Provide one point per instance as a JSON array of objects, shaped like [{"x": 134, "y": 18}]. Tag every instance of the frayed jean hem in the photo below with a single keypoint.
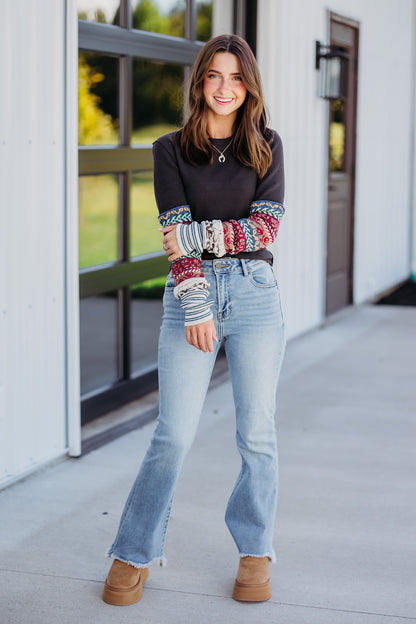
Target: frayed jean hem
[
  {"x": 270, "y": 555},
  {"x": 161, "y": 560}
]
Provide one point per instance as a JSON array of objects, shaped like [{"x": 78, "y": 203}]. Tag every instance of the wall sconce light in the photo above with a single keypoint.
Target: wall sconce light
[{"x": 332, "y": 63}]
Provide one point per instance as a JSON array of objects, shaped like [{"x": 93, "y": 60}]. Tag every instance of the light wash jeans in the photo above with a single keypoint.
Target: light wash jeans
[{"x": 248, "y": 318}]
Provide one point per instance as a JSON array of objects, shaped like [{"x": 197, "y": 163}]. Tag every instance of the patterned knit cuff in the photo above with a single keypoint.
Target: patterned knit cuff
[
  {"x": 193, "y": 294},
  {"x": 186, "y": 268},
  {"x": 274, "y": 209},
  {"x": 179, "y": 214},
  {"x": 189, "y": 285},
  {"x": 190, "y": 238},
  {"x": 214, "y": 237}
]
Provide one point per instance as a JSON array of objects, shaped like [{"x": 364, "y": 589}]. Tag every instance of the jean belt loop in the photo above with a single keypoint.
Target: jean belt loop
[{"x": 244, "y": 267}]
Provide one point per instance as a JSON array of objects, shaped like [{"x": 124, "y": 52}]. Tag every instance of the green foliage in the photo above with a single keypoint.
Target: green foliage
[
  {"x": 204, "y": 21},
  {"x": 150, "y": 289},
  {"x": 147, "y": 17},
  {"x": 157, "y": 93},
  {"x": 94, "y": 126},
  {"x": 336, "y": 146}
]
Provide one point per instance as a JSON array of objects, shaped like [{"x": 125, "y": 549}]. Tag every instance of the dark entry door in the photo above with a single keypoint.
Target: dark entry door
[{"x": 341, "y": 174}]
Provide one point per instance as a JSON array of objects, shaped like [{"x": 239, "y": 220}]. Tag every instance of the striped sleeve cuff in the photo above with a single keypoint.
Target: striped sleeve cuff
[
  {"x": 190, "y": 238},
  {"x": 193, "y": 296}
]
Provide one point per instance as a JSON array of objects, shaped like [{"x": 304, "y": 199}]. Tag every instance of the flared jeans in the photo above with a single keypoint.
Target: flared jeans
[{"x": 249, "y": 323}]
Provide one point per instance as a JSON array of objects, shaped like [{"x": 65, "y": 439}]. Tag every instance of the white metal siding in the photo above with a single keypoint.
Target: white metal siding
[
  {"x": 412, "y": 192},
  {"x": 287, "y": 31},
  {"x": 32, "y": 108}
]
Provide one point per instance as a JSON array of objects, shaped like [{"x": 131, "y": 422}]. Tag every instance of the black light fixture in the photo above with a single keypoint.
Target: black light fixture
[{"x": 332, "y": 63}]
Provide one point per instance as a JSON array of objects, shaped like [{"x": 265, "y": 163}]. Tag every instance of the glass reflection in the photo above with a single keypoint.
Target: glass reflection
[
  {"x": 162, "y": 16},
  {"x": 97, "y": 100},
  {"x": 337, "y": 136},
  {"x": 146, "y": 318},
  {"x": 157, "y": 100},
  {"x": 144, "y": 233},
  {"x": 98, "y": 219},
  {"x": 203, "y": 20},
  {"x": 98, "y": 341},
  {"x": 103, "y": 11}
]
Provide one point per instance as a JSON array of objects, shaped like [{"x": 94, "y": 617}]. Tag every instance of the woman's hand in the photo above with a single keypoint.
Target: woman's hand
[
  {"x": 201, "y": 336},
  {"x": 170, "y": 244}
]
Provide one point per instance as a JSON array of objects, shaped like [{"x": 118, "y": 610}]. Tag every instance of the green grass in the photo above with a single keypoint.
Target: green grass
[
  {"x": 98, "y": 205},
  {"x": 148, "y": 134},
  {"x": 98, "y": 229},
  {"x": 150, "y": 289},
  {"x": 144, "y": 225}
]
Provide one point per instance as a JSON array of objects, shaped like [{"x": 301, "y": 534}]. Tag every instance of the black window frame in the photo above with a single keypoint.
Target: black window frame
[{"x": 126, "y": 43}]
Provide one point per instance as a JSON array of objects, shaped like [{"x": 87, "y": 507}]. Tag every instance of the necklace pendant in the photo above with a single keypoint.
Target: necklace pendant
[{"x": 221, "y": 158}]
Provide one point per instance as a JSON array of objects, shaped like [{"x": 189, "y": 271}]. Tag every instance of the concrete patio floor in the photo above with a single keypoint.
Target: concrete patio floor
[{"x": 346, "y": 524}]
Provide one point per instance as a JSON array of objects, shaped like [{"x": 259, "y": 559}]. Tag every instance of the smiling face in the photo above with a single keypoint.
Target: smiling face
[{"x": 224, "y": 90}]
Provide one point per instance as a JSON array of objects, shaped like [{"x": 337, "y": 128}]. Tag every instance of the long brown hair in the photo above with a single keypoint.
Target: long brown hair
[{"x": 251, "y": 142}]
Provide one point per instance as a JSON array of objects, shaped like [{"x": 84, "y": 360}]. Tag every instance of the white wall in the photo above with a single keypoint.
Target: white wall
[
  {"x": 413, "y": 181},
  {"x": 287, "y": 31},
  {"x": 32, "y": 235},
  {"x": 222, "y": 17},
  {"x": 383, "y": 150}
]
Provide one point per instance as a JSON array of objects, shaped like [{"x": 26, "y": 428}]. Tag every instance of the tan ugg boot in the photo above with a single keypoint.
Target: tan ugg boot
[
  {"x": 124, "y": 584},
  {"x": 253, "y": 581}
]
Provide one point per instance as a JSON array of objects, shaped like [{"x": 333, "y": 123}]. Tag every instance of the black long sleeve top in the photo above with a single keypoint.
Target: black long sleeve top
[{"x": 215, "y": 190}]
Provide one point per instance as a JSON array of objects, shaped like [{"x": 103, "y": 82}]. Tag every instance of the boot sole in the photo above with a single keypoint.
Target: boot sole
[
  {"x": 124, "y": 597},
  {"x": 252, "y": 593}
]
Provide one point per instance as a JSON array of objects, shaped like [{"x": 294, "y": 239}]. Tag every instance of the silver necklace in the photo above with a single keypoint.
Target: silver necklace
[{"x": 221, "y": 157}]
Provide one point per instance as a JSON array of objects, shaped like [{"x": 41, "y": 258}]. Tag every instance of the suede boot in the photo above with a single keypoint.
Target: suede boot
[
  {"x": 124, "y": 584},
  {"x": 253, "y": 581}
]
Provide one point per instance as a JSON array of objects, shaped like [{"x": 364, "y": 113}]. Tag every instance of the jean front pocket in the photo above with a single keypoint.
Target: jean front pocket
[{"x": 261, "y": 274}]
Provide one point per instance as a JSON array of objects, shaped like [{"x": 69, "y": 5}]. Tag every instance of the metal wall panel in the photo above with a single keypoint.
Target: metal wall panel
[
  {"x": 285, "y": 38},
  {"x": 287, "y": 31},
  {"x": 33, "y": 375}
]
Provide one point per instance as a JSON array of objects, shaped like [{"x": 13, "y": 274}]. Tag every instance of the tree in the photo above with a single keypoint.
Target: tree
[
  {"x": 146, "y": 16},
  {"x": 204, "y": 21},
  {"x": 94, "y": 126}
]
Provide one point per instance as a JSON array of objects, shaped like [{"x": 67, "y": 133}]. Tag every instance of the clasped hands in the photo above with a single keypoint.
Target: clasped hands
[
  {"x": 202, "y": 335},
  {"x": 170, "y": 243}
]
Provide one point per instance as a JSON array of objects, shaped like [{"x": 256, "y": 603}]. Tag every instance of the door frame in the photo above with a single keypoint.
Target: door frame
[{"x": 332, "y": 16}]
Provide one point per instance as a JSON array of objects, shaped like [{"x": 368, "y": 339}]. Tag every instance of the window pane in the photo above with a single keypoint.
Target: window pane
[
  {"x": 98, "y": 341},
  {"x": 104, "y": 11},
  {"x": 161, "y": 16},
  {"x": 97, "y": 99},
  {"x": 98, "y": 219},
  {"x": 203, "y": 20},
  {"x": 157, "y": 100},
  {"x": 337, "y": 136},
  {"x": 144, "y": 233},
  {"x": 146, "y": 318}
]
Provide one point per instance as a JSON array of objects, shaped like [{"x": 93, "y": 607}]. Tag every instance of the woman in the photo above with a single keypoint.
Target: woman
[{"x": 219, "y": 189}]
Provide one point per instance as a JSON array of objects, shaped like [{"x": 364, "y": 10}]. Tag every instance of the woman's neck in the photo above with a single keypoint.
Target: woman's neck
[{"x": 220, "y": 129}]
